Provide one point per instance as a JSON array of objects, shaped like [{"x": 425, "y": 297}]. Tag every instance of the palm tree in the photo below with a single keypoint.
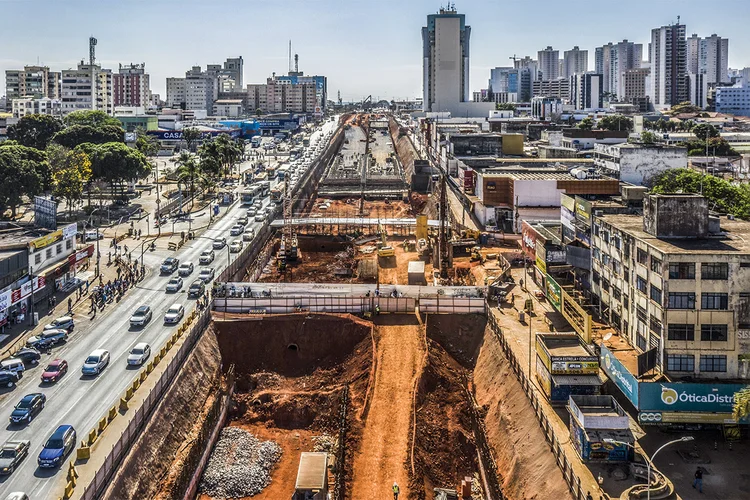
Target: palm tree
[
  {"x": 188, "y": 172},
  {"x": 190, "y": 135}
]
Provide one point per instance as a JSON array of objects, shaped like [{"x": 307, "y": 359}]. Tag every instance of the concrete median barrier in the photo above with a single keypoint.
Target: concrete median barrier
[
  {"x": 112, "y": 413},
  {"x": 93, "y": 434},
  {"x": 103, "y": 424},
  {"x": 123, "y": 404},
  {"x": 84, "y": 452}
]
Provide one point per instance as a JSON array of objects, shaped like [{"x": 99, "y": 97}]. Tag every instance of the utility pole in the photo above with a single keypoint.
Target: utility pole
[{"x": 443, "y": 236}]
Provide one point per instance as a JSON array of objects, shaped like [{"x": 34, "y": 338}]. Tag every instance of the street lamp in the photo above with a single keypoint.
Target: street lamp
[{"x": 653, "y": 457}]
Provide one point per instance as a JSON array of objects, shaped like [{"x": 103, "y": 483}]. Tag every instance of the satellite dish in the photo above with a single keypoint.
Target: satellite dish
[{"x": 607, "y": 336}]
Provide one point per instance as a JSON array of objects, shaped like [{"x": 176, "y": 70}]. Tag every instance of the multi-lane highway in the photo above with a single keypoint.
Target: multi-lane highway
[{"x": 81, "y": 401}]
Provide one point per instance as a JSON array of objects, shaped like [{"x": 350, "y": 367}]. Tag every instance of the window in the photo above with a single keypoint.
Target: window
[
  {"x": 68, "y": 243},
  {"x": 718, "y": 301},
  {"x": 680, "y": 332},
  {"x": 655, "y": 265},
  {"x": 616, "y": 241},
  {"x": 38, "y": 258},
  {"x": 641, "y": 256},
  {"x": 744, "y": 264},
  {"x": 605, "y": 284},
  {"x": 617, "y": 267},
  {"x": 681, "y": 300},
  {"x": 654, "y": 324},
  {"x": 713, "y": 363},
  {"x": 655, "y": 294},
  {"x": 641, "y": 314},
  {"x": 58, "y": 248},
  {"x": 48, "y": 253},
  {"x": 714, "y": 333},
  {"x": 625, "y": 302},
  {"x": 714, "y": 271},
  {"x": 616, "y": 294},
  {"x": 596, "y": 254},
  {"x": 682, "y": 271},
  {"x": 680, "y": 362},
  {"x": 640, "y": 284},
  {"x": 595, "y": 277}
]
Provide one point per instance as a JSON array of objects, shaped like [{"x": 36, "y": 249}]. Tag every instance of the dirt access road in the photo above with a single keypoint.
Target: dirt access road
[{"x": 381, "y": 457}]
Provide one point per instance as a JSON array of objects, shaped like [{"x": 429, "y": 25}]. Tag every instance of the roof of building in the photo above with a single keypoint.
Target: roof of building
[
  {"x": 228, "y": 101},
  {"x": 312, "y": 472},
  {"x": 732, "y": 240}
]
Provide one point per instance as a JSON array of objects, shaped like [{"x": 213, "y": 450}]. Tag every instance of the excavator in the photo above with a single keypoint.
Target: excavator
[{"x": 385, "y": 249}]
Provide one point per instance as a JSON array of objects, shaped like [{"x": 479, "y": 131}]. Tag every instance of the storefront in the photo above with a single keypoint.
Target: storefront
[
  {"x": 599, "y": 429},
  {"x": 564, "y": 367},
  {"x": 16, "y": 303}
]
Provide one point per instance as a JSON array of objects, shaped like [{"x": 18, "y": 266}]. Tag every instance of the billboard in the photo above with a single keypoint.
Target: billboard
[
  {"x": 528, "y": 240},
  {"x": 280, "y": 124},
  {"x": 583, "y": 210},
  {"x": 687, "y": 397},
  {"x": 176, "y": 135},
  {"x": 45, "y": 212},
  {"x": 553, "y": 292},
  {"x": 46, "y": 240},
  {"x": 616, "y": 371}
]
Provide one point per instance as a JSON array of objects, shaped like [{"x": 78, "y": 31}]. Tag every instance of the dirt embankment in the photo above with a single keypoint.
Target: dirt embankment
[
  {"x": 290, "y": 385},
  {"x": 384, "y": 449},
  {"x": 149, "y": 469},
  {"x": 527, "y": 467}
]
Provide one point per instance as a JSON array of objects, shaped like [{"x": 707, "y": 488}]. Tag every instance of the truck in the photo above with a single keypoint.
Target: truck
[{"x": 256, "y": 141}]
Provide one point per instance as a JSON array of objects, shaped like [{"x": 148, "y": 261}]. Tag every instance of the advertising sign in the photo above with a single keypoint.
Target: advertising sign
[
  {"x": 69, "y": 231},
  {"x": 45, "y": 212},
  {"x": 176, "y": 135},
  {"x": 743, "y": 340},
  {"x": 575, "y": 367},
  {"x": 528, "y": 240},
  {"x": 684, "y": 417},
  {"x": 583, "y": 210},
  {"x": 5, "y": 300},
  {"x": 687, "y": 397},
  {"x": 553, "y": 292},
  {"x": 567, "y": 218},
  {"x": 541, "y": 258},
  {"x": 46, "y": 240},
  {"x": 617, "y": 372}
]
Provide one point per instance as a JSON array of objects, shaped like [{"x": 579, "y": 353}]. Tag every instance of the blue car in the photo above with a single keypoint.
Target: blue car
[{"x": 57, "y": 447}]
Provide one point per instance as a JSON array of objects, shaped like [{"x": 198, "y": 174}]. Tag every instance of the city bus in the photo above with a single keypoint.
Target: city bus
[
  {"x": 282, "y": 172},
  {"x": 265, "y": 188},
  {"x": 249, "y": 195},
  {"x": 270, "y": 172},
  {"x": 256, "y": 141}
]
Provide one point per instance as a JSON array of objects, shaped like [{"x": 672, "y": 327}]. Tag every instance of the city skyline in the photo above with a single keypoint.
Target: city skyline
[{"x": 390, "y": 68}]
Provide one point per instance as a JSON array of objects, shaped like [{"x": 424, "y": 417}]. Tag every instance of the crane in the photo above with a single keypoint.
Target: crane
[{"x": 515, "y": 58}]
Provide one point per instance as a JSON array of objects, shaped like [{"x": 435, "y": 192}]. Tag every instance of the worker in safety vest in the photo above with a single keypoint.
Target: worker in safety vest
[{"x": 395, "y": 491}]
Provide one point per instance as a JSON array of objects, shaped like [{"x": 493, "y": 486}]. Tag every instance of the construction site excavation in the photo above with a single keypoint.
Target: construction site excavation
[{"x": 354, "y": 350}]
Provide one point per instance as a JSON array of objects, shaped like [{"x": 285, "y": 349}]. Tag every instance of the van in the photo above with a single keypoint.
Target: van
[{"x": 12, "y": 365}]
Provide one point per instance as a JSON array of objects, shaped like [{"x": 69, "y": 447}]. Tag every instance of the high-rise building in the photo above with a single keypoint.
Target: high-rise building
[
  {"x": 697, "y": 87},
  {"x": 504, "y": 79},
  {"x": 733, "y": 100},
  {"x": 131, "y": 86},
  {"x": 558, "y": 88},
  {"x": 445, "y": 60},
  {"x": 88, "y": 87},
  {"x": 668, "y": 82},
  {"x": 575, "y": 61},
  {"x": 31, "y": 81},
  {"x": 549, "y": 63},
  {"x": 635, "y": 83},
  {"x": 586, "y": 90},
  {"x": 36, "y": 106},
  {"x": 613, "y": 60},
  {"x": 234, "y": 68},
  {"x": 709, "y": 56}
]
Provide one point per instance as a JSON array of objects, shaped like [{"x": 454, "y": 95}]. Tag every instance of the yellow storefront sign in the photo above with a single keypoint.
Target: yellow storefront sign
[{"x": 46, "y": 240}]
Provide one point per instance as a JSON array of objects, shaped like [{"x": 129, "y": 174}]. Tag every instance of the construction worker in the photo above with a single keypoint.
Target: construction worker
[{"x": 395, "y": 491}]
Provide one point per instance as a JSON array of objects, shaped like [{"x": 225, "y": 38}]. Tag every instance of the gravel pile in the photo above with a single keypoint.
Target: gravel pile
[{"x": 240, "y": 465}]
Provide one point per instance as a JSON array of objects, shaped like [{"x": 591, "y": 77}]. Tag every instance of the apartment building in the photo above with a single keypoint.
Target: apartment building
[
  {"x": 668, "y": 56},
  {"x": 88, "y": 87},
  {"x": 31, "y": 81},
  {"x": 677, "y": 280},
  {"x": 559, "y": 88},
  {"x": 36, "y": 106},
  {"x": 733, "y": 100},
  {"x": 575, "y": 62},
  {"x": 549, "y": 63},
  {"x": 131, "y": 86},
  {"x": 637, "y": 163}
]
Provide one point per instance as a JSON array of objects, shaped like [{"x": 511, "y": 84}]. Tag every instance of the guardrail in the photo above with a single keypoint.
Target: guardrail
[
  {"x": 571, "y": 479},
  {"x": 142, "y": 415}
]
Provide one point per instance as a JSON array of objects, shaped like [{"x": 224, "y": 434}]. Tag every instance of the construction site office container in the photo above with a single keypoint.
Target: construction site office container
[{"x": 312, "y": 477}]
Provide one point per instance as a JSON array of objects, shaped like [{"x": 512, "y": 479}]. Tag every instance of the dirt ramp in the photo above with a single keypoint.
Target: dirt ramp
[{"x": 290, "y": 345}]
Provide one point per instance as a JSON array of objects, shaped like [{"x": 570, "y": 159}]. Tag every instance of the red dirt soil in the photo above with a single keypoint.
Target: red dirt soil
[{"x": 386, "y": 438}]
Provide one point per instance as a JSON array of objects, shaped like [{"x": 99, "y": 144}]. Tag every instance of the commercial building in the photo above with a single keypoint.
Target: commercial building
[
  {"x": 303, "y": 83},
  {"x": 733, "y": 100},
  {"x": 708, "y": 56},
  {"x": 637, "y": 163},
  {"x": 88, "y": 87},
  {"x": 31, "y": 81},
  {"x": 445, "y": 56},
  {"x": 575, "y": 61},
  {"x": 504, "y": 79},
  {"x": 546, "y": 108},
  {"x": 549, "y": 63},
  {"x": 231, "y": 108},
  {"x": 131, "y": 86},
  {"x": 36, "y": 106},
  {"x": 676, "y": 281},
  {"x": 559, "y": 88},
  {"x": 614, "y": 59},
  {"x": 234, "y": 68},
  {"x": 697, "y": 88},
  {"x": 668, "y": 56},
  {"x": 586, "y": 90},
  {"x": 199, "y": 89},
  {"x": 635, "y": 84}
]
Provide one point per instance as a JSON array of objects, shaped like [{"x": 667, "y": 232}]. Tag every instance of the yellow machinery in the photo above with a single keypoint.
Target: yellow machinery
[
  {"x": 385, "y": 249},
  {"x": 476, "y": 254}
]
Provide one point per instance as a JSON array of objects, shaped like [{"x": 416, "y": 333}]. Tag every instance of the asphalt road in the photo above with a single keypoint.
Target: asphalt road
[{"x": 81, "y": 401}]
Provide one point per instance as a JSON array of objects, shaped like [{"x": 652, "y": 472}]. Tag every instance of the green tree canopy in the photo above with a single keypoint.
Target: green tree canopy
[
  {"x": 741, "y": 407},
  {"x": 721, "y": 194},
  {"x": 36, "y": 157},
  {"x": 704, "y": 131},
  {"x": 146, "y": 144},
  {"x": 91, "y": 118},
  {"x": 35, "y": 131},
  {"x": 190, "y": 135},
  {"x": 648, "y": 137},
  {"x": 115, "y": 162},
  {"x": 80, "y": 134},
  {"x": 684, "y": 107},
  {"x": 188, "y": 172},
  {"x": 71, "y": 172},
  {"x": 616, "y": 122},
  {"x": 19, "y": 176},
  {"x": 586, "y": 124},
  {"x": 505, "y": 106}
]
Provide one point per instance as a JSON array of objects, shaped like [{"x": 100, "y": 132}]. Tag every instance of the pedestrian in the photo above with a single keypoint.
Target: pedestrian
[
  {"x": 698, "y": 482},
  {"x": 70, "y": 305},
  {"x": 588, "y": 496},
  {"x": 396, "y": 491}
]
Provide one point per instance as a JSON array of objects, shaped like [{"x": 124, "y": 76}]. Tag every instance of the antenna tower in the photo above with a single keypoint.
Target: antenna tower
[{"x": 92, "y": 51}]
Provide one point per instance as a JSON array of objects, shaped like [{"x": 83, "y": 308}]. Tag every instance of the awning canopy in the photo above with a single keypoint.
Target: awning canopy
[{"x": 577, "y": 380}]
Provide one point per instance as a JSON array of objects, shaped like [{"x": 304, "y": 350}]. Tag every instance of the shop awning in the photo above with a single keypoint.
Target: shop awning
[{"x": 577, "y": 380}]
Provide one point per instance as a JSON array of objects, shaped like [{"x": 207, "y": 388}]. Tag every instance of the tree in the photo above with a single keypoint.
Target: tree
[
  {"x": 190, "y": 136},
  {"x": 35, "y": 131},
  {"x": 704, "y": 131},
  {"x": 36, "y": 157},
  {"x": 91, "y": 118},
  {"x": 648, "y": 137},
  {"x": 586, "y": 124},
  {"x": 721, "y": 194},
  {"x": 19, "y": 177},
  {"x": 115, "y": 163},
  {"x": 220, "y": 154},
  {"x": 684, "y": 107},
  {"x": 71, "y": 175},
  {"x": 146, "y": 144},
  {"x": 80, "y": 134},
  {"x": 505, "y": 106},
  {"x": 258, "y": 112},
  {"x": 616, "y": 122},
  {"x": 741, "y": 407},
  {"x": 188, "y": 172}
]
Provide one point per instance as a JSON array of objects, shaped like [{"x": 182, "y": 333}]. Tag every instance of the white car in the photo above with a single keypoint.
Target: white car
[
  {"x": 93, "y": 234},
  {"x": 96, "y": 362},
  {"x": 185, "y": 269},
  {"x": 260, "y": 217},
  {"x": 248, "y": 235},
  {"x": 207, "y": 256},
  {"x": 237, "y": 230},
  {"x": 174, "y": 285},
  {"x": 235, "y": 246},
  {"x": 207, "y": 274},
  {"x": 219, "y": 243},
  {"x": 139, "y": 354},
  {"x": 251, "y": 212},
  {"x": 174, "y": 314}
]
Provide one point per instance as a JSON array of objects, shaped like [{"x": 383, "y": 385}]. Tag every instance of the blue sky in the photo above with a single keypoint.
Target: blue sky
[{"x": 363, "y": 47}]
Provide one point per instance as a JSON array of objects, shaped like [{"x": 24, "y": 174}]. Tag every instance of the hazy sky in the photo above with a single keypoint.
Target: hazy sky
[{"x": 363, "y": 47}]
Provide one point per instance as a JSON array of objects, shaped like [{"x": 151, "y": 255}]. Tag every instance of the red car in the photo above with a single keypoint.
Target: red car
[{"x": 55, "y": 369}]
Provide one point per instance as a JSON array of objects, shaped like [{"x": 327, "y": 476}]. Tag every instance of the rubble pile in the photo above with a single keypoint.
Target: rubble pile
[{"x": 240, "y": 465}]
